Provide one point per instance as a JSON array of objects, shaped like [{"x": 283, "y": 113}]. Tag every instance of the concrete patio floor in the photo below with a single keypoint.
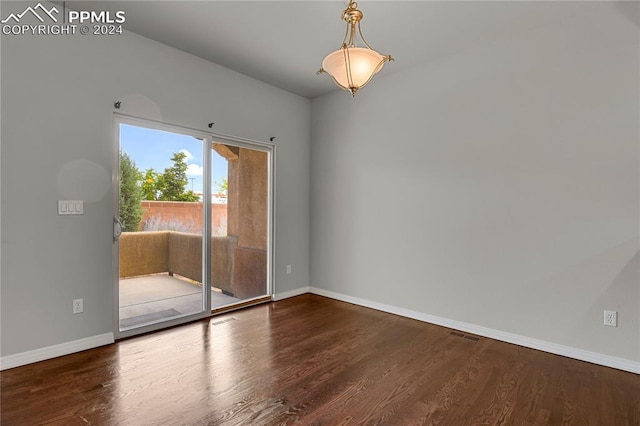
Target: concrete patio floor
[{"x": 154, "y": 298}]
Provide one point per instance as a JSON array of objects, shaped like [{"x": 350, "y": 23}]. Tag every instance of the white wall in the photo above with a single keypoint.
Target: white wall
[
  {"x": 511, "y": 179},
  {"x": 57, "y": 143}
]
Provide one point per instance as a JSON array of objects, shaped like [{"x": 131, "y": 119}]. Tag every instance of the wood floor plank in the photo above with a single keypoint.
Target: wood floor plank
[{"x": 312, "y": 360}]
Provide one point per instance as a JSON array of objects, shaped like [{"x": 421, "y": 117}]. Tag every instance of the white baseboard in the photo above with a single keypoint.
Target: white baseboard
[
  {"x": 291, "y": 293},
  {"x": 36, "y": 355},
  {"x": 554, "y": 348},
  {"x": 24, "y": 358}
]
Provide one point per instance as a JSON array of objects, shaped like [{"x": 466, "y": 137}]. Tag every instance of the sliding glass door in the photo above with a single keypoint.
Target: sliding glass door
[
  {"x": 174, "y": 187},
  {"x": 240, "y": 235},
  {"x": 161, "y": 214}
]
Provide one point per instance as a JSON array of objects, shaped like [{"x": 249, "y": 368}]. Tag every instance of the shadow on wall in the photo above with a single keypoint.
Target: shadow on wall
[{"x": 146, "y": 253}]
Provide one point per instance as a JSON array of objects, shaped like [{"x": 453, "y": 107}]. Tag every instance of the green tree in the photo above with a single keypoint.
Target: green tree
[
  {"x": 224, "y": 185},
  {"x": 174, "y": 180},
  {"x": 151, "y": 185},
  {"x": 189, "y": 196},
  {"x": 130, "y": 194}
]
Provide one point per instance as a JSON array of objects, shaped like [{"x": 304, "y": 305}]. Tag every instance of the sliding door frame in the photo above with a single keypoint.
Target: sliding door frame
[{"x": 208, "y": 139}]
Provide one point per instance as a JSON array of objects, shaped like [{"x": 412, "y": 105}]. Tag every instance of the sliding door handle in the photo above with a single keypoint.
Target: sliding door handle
[{"x": 117, "y": 228}]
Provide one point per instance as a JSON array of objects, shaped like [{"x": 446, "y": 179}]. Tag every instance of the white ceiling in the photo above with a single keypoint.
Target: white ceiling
[{"x": 283, "y": 42}]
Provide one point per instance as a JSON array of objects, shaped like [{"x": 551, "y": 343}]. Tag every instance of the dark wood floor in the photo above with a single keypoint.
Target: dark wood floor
[{"x": 315, "y": 360}]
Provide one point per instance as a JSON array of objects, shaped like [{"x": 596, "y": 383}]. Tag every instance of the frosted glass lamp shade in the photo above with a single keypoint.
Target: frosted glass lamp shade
[{"x": 353, "y": 67}]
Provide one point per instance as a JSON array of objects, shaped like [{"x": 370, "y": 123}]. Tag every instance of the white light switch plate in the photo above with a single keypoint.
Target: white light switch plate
[{"x": 67, "y": 207}]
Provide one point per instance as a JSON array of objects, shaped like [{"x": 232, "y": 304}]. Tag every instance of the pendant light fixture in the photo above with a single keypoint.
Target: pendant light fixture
[{"x": 352, "y": 67}]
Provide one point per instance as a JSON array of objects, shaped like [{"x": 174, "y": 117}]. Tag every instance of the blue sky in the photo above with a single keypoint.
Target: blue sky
[{"x": 150, "y": 148}]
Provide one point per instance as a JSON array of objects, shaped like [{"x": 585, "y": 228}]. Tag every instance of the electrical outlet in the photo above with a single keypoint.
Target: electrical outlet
[
  {"x": 78, "y": 306},
  {"x": 288, "y": 269},
  {"x": 611, "y": 318}
]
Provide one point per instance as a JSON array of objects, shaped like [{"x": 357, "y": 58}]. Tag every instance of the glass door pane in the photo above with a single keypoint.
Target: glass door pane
[
  {"x": 240, "y": 217},
  {"x": 161, "y": 210}
]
